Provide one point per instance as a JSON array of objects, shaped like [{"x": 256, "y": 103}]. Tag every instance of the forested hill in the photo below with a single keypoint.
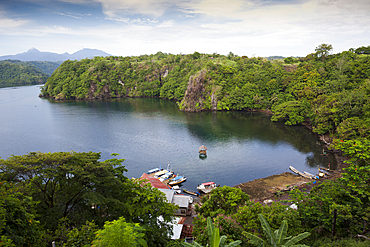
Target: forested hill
[
  {"x": 14, "y": 73},
  {"x": 330, "y": 90}
]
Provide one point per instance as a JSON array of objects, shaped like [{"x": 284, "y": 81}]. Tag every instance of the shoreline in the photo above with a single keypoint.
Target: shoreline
[{"x": 271, "y": 187}]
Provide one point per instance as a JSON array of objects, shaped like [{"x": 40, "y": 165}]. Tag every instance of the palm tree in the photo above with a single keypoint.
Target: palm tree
[{"x": 276, "y": 238}]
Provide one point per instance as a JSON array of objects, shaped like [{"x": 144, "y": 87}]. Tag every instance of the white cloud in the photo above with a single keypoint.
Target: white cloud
[
  {"x": 9, "y": 23},
  {"x": 114, "y": 8},
  {"x": 70, "y": 15}
]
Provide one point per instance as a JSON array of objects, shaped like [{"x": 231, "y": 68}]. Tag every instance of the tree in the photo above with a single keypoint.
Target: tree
[
  {"x": 222, "y": 200},
  {"x": 120, "y": 233},
  {"x": 276, "y": 238},
  {"x": 289, "y": 60},
  {"x": 80, "y": 187},
  {"x": 214, "y": 237},
  {"x": 18, "y": 226},
  {"x": 82, "y": 236},
  {"x": 294, "y": 111},
  {"x": 323, "y": 51}
]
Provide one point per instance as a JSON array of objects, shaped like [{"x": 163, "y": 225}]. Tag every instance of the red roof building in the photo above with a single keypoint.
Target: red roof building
[{"x": 154, "y": 181}]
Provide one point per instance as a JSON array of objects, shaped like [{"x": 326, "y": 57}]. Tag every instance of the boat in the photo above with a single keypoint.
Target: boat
[
  {"x": 299, "y": 173},
  {"x": 177, "y": 180},
  {"x": 202, "y": 150},
  {"x": 153, "y": 171},
  {"x": 166, "y": 176},
  {"x": 190, "y": 192},
  {"x": 325, "y": 172},
  {"x": 207, "y": 187},
  {"x": 160, "y": 173},
  {"x": 309, "y": 174},
  {"x": 177, "y": 189}
]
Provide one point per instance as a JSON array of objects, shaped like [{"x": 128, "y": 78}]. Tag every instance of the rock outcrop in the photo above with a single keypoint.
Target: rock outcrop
[{"x": 194, "y": 94}]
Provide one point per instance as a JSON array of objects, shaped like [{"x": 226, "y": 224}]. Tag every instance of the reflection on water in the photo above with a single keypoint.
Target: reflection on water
[{"x": 242, "y": 146}]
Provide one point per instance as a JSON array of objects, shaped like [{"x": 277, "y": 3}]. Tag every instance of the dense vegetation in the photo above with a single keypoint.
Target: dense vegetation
[
  {"x": 15, "y": 72},
  {"x": 332, "y": 91},
  {"x": 46, "y": 195},
  {"x": 46, "y": 66},
  {"x": 52, "y": 195}
]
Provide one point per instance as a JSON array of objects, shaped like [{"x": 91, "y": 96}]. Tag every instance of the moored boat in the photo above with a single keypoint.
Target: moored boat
[
  {"x": 311, "y": 175},
  {"x": 299, "y": 173},
  {"x": 202, "y": 150},
  {"x": 160, "y": 173},
  {"x": 190, "y": 192},
  {"x": 177, "y": 180},
  {"x": 153, "y": 171},
  {"x": 207, "y": 187}
]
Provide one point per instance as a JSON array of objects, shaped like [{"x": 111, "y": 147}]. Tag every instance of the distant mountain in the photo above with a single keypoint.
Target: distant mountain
[{"x": 35, "y": 55}]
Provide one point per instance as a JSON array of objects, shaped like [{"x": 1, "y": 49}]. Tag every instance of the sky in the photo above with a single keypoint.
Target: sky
[{"x": 136, "y": 27}]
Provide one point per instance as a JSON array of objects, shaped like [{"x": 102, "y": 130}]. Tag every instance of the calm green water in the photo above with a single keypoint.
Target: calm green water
[{"x": 242, "y": 146}]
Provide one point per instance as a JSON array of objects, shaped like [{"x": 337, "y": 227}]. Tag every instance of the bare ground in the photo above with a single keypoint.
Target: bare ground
[{"x": 273, "y": 187}]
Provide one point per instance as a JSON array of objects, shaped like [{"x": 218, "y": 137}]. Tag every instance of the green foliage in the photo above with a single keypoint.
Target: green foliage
[
  {"x": 222, "y": 200},
  {"x": 18, "y": 225},
  {"x": 79, "y": 187},
  {"x": 289, "y": 60},
  {"x": 120, "y": 233},
  {"x": 83, "y": 236},
  {"x": 243, "y": 217},
  {"x": 332, "y": 92},
  {"x": 323, "y": 50},
  {"x": 6, "y": 242},
  {"x": 357, "y": 150},
  {"x": 15, "y": 73},
  {"x": 294, "y": 111},
  {"x": 277, "y": 238},
  {"x": 214, "y": 238},
  {"x": 350, "y": 242},
  {"x": 317, "y": 208}
]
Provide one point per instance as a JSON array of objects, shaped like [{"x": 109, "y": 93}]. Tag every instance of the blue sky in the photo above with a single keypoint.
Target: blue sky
[{"x": 136, "y": 27}]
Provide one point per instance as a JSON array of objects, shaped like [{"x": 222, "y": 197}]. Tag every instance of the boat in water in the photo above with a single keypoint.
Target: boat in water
[
  {"x": 203, "y": 150},
  {"x": 177, "y": 180},
  {"x": 166, "y": 176},
  {"x": 153, "y": 171},
  {"x": 207, "y": 187}
]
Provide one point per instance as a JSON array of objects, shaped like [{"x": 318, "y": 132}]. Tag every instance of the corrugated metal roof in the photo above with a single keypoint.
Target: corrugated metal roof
[
  {"x": 169, "y": 194},
  {"x": 154, "y": 181},
  {"x": 181, "y": 200}
]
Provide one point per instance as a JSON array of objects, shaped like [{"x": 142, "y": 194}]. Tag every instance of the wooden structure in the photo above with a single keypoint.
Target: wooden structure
[{"x": 202, "y": 150}]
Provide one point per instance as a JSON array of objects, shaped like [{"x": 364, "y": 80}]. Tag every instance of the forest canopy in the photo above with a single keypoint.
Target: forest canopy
[
  {"x": 15, "y": 73},
  {"x": 330, "y": 91}
]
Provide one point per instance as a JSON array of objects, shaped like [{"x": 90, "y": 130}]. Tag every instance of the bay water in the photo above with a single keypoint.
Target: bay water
[{"x": 150, "y": 133}]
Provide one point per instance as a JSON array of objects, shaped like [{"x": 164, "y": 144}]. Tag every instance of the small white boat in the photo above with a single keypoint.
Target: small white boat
[
  {"x": 166, "y": 176},
  {"x": 177, "y": 189},
  {"x": 206, "y": 187},
  {"x": 191, "y": 199},
  {"x": 299, "y": 173},
  {"x": 309, "y": 174},
  {"x": 153, "y": 170},
  {"x": 160, "y": 173}
]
